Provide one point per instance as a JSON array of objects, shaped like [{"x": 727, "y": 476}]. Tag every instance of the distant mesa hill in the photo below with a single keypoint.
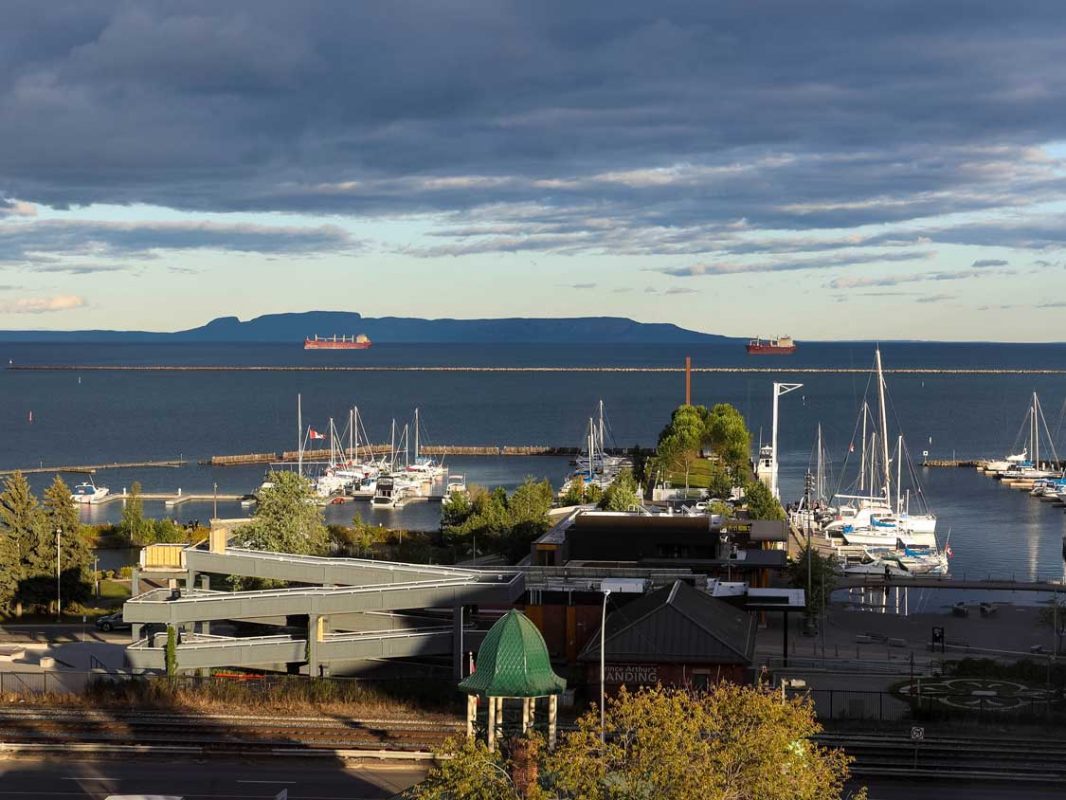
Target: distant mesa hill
[{"x": 292, "y": 328}]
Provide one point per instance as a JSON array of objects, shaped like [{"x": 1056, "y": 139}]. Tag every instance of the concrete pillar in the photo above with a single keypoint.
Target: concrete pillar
[
  {"x": 205, "y": 584},
  {"x": 471, "y": 714},
  {"x": 457, "y": 642},
  {"x": 135, "y": 582},
  {"x": 553, "y": 717},
  {"x": 316, "y": 633}
]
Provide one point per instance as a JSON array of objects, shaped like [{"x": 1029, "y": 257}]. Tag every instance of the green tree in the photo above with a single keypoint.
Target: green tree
[
  {"x": 726, "y": 433},
  {"x": 732, "y": 742},
  {"x": 24, "y": 523},
  {"x": 623, "y": 493},
  {"x": 170, "y": 652},
  {"x": 822, "y": 576},
  {"x": 574, "y": 495},
  {"x": 287, "y": 518},
  {"x": 761, "y": 503},
  {"x": 677, "y": 455},
  {"x": 134, "y": 526},
  {"x": 61, "y": 513},
  {"x": 456, "y": 510},
  {"x": 467, "y": 771},
  {"x": 719, "y": 483}
]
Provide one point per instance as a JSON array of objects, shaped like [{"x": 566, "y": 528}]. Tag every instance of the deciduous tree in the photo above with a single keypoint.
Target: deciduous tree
[
  {"x": 287, "y": 519},
  {"x": 623, "y": 493},
  {"x": 761, "y": 503}
]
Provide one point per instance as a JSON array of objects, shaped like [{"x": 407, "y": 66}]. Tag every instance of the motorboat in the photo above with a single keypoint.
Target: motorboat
[{"x": 88, "y": 493}]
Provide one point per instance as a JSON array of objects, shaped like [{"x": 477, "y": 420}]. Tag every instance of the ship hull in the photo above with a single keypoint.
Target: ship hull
[
  {"x": 321, "y": 345},
  {"x": 770, "y": 350}
]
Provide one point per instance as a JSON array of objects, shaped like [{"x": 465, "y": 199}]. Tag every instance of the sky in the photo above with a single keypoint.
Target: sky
[{"x": 830, "y": 170}]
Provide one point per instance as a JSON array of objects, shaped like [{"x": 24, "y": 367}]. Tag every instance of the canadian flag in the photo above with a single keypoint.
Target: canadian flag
[{"x": 313, "y": 434}]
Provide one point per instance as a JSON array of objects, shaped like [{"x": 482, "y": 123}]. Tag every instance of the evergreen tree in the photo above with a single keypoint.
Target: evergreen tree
[
  {"x": 24, "y": 524},
  {"x": 76, "y": 555}
]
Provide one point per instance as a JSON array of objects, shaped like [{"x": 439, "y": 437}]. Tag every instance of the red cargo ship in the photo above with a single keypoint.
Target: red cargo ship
[
  {"x": 781, "y": 346},
  {"x": 360, "y": 342}
]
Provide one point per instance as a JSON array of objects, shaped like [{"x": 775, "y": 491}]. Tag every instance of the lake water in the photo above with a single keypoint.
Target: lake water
[{"x": 96, "y": 417}]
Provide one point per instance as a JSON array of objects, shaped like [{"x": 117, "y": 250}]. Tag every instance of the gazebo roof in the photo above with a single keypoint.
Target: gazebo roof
[{"x": 513, "y": 662}]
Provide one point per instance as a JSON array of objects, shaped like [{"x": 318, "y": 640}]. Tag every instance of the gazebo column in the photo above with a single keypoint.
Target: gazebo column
[
  {"x": 553, "y": 714},
  {"x": 492, "y": 723},
  {"x": 471, "y": 714}
]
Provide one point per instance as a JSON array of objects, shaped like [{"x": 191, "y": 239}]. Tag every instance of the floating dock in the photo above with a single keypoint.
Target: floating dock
[{"x": 170, "y": 499}]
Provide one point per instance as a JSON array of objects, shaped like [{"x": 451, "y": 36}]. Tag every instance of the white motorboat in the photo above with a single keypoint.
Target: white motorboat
[
  {"x": 88, "y": 493},
  {"x": 456, "y": 486}
]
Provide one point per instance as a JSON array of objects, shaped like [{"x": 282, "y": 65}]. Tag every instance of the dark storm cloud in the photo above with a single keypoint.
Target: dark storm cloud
[{"x": 619, "y": 126}]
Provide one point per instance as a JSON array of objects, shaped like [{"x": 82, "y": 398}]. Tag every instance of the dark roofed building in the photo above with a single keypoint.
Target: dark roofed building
[{"x": 676, "y": 636}]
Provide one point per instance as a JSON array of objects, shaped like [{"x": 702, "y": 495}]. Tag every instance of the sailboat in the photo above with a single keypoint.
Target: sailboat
[
  {"x": 594, "y": 466},
  {"x": 879, "y": 521},
  {"x": 1027, "y": 465}
]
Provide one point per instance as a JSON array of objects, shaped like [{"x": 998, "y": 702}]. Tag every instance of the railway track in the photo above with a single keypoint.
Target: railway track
[
  {"x": 876, "y": 754},
  {"x": 221, "y": 731}
]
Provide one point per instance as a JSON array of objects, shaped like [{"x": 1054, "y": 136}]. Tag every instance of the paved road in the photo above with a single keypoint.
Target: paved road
[{"x": 218, "y": 780}]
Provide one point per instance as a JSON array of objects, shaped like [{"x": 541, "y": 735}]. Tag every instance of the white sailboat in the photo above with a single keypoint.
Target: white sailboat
[{"x": 879, "y": 521}]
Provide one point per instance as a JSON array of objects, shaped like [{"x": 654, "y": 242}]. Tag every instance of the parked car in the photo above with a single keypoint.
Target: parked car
[{"x": 113, "y": 622}]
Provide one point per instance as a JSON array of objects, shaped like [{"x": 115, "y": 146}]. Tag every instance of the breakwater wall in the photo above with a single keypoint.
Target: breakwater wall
[
  {"x": 429, "y": 450},
  {"x": 475, "y": 369}
]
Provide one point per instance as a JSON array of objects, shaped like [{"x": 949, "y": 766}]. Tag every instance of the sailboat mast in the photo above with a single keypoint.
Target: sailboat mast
[
  {"x": 862, "y": 465},
  {"x": 603, "y": 442},
  {"x": 1036, "y": 432},
  {"x": 819, "y": 469},
  {"x": 406, "y": 455},
  {"x": 592, "y": 445},
  {"x": 299, "y": 436},
  {"x": 392, "y": 446},
  {"x": 884, "y": 425},
  {"x": 351, "y": 435},
  {"x": 899, "y": 474},
  {"x": 416, "y": 434}
]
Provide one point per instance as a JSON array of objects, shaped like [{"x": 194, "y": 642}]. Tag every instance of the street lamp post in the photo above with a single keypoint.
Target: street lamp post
[
  {"x": 59, "y": 573},
  {"x": 214, "y": 511},
  {"x": 603, "y": 670}
]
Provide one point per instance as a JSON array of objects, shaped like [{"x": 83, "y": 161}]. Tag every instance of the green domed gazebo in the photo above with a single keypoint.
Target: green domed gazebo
[{"x": 512, "y": 662}]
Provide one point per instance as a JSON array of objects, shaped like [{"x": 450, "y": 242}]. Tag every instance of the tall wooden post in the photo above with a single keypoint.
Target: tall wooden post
[
  {"x": 492, "y": 724},
  {"x": 526, "y": 701}
]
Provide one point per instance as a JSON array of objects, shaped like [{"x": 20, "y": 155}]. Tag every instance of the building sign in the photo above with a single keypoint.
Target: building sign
[{"x": 636, "y": 674}]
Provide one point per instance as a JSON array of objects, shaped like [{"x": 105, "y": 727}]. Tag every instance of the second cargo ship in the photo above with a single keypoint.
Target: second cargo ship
[{"x": 360, "y": 342}]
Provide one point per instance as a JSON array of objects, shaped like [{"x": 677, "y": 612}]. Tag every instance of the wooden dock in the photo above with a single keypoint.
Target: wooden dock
[
  {"x": 91, "y": 469},
  {"x": 170, "y": 499}
]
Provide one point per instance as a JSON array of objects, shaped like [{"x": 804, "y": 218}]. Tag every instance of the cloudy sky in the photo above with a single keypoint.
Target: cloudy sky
[{"x": 826, "y": 169}]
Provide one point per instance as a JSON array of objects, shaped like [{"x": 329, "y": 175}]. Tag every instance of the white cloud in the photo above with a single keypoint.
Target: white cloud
[{"x": 42, "y": 305}]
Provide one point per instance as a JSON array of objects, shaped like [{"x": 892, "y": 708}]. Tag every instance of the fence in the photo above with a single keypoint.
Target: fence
[
  {"x": 1033, "y": 705},
  {"x": 403, "y": 680}
]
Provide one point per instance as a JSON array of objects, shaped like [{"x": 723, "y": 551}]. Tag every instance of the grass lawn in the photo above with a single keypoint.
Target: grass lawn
[
  {"x": 699, "y": 475},
  {"x": 111, "y": 590}
]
